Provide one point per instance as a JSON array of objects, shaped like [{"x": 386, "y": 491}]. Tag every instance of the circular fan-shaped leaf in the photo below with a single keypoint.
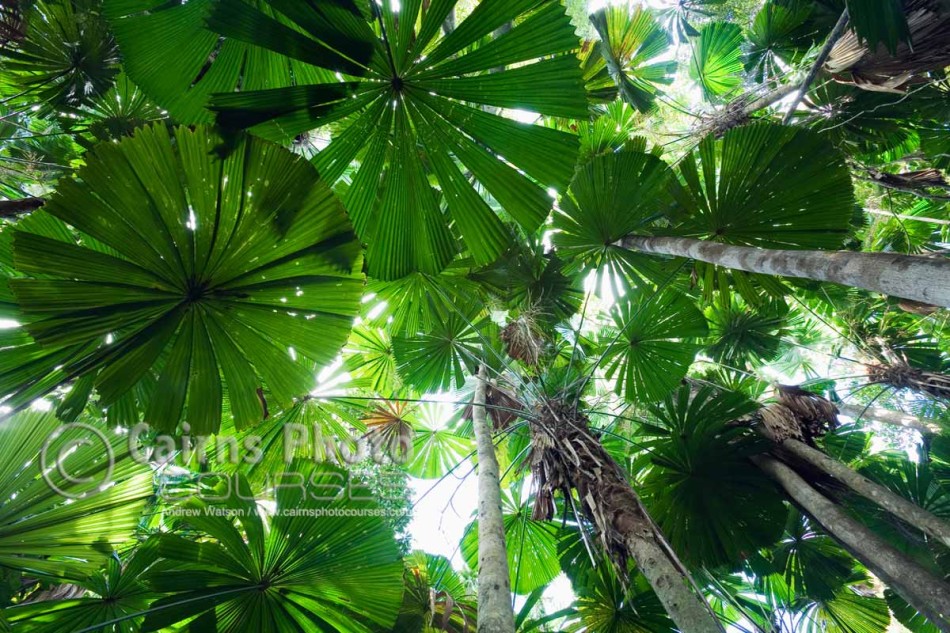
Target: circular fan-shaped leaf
[
  {"x": 708, "y": 499},
  {"x": 769, "y": 186},
  {"x": 716, "y": 64},
  {"x": 610, "y": 197},
  {"x": 779, "y": 35},
  {"x": 442, "y": 357},
  {"x": 630, "y": 39},
  {"x": 192, "y": 270},
  {"x": 739, "y": 335},
  {"x": 67, "y": 57},
  {"x": 306, "y": 572},
  {"x": 650, "y": 356},
  {"x": 413, "y": 120}
]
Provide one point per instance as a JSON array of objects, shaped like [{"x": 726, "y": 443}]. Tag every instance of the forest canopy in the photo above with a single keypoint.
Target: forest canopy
[{"x": 493, "y": 316}]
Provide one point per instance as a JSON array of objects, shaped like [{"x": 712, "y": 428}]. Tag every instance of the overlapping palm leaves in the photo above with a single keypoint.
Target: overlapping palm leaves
[
  {"x": 67, "y": 57},
  {"x": 185, "y": 271},
  {"x": 70, "y": 495},
  {"x": 118, "y": 594},
  {"x": 169, "y": 52},
  {"x": 304, "y": 569},
  {"x": 409, "y": 99},
  {"x": 700, "y": 476}
]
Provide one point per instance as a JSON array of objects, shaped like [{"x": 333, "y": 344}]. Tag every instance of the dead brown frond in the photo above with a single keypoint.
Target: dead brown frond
[
  {"x": 816, "y": 415},
  {"x": 901, "y": 375},
  {"x": 389, "y": 430},
  {"x": 779, "y": 423},
  {"x": 523, "y": 340},
  {"x": 853, "y": 62}
]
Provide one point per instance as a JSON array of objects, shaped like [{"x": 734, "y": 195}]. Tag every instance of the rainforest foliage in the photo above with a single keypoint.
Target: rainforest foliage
[{"x": 670, "y": 276}]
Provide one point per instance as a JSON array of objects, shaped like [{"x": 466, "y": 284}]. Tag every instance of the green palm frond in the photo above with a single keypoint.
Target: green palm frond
[
  {"x": 179, "y": 63},
  {"x": 611, "y": 197},
  {"x": 187, "y": 271},
  {"x": 118, "y": 592},
  {"x": 768, "y": 186},
  {"x": 441, "y": 357},
  {"x": 114, "y": 114},
  {"x": 532, "y": 546},
  {"x": 780, "y": 35},
  {"x": 716, "y": 64},
  {"x": 413, "y": 121},
  {"x": 67, "y": 58},
  {"x": 709, "y": 500},
  {"x": 66, "y": 523},
  {"x": 304, "y": 571},
  {"x": 654, "y": 344},
  {"x": 437, "y": 598},
  {"x": 368, "y": 357},
  {"x": 740, "y": 335},
  {"x": 630, "y": 43}
]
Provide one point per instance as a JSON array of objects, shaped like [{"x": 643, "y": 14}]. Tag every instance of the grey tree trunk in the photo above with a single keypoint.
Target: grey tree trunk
[
  {"x": 897, "y": 505},
  {"x": 905, "y": 276},
  {"x": 886, "y": 416},
  {"x": 495, "y": 611},
  {"x": 925, "y": 592}
]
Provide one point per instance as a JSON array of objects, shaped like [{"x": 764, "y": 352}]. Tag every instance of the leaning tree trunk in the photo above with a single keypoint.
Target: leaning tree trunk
[
  {"x": 495, "y": 611},
  {"x": 926, "y": 593},
  {"x": 904, "y": 276},
  {"x": 797, "y": 418},
  {"x": 886, "y": 416},
  {"x": 565, "y": 456},
  {"x": 910, "y": 513}
]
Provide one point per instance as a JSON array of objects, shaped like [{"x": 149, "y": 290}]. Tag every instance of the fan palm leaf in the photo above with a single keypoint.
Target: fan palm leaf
[
  {"x": 70, "y": 495},
  {"x": 699, "y": 475},
  {"x": 304, "y": 571},
  {"x": 67, "y": 57},
  {"x": 649, "y": 356},
  {"x": 716, "y": 64},
  {"x": 189, "y": 269},
  {"x": 413, "y": 121},
  {"x": 630, "y": 43}
]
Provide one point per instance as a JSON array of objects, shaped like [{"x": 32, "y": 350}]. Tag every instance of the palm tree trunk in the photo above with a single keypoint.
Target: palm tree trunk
[
  {"x": 495, "y": 611},
  {"x": 886, "y": 416},
  {"x": 928, "y": 594},
  {"x": 564, "y": 456},
  {"x": 13, "y": 208},
  {"x": 897, "y": 505},
  {"x": 901, "y": 375},
  {"x": 905, "y": 276}
]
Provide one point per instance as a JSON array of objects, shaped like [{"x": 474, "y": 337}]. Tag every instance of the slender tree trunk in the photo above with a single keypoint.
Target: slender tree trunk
[
  {"x": 925, "y": 592},
  {"x": 495, "y": 611},
  {"x": 897, "y": 505},
  {"x": 904, "y": 276},
  {"x": 565, "y": 455},
  {"x": 886, "y": 416},
  {"x": 13, "y": 208}
]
